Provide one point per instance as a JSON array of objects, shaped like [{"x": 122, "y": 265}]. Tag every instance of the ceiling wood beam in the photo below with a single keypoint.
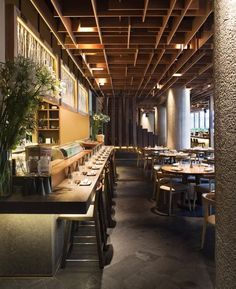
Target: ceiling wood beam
[
  {"x": 165, "y": 21},
  {"x": 136, "y": 57},
  {"x": 129, "y": 32},
  {"x": 177, "y": 21},
  {"x": 200, "y": 72},
  {"x": 198, "y": 22},
  {"x": 145, "y": 10}
]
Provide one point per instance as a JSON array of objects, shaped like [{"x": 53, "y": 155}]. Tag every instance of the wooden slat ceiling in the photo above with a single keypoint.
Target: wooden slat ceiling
[{"x": 134, "y": 47}]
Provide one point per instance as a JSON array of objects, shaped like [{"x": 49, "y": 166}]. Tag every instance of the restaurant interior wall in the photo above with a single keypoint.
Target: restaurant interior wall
[
  {"x": 68, "y": 118},
  {"x": 2, "y": 30},
  {"x": 73, "y": 126}
]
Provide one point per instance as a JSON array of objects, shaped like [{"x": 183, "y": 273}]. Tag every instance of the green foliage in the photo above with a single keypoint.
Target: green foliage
[{"x": 22, "y": 82}]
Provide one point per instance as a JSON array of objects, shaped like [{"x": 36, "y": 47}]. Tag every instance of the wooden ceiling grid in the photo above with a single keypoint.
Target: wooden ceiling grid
[{"x": 135, "y": 47}]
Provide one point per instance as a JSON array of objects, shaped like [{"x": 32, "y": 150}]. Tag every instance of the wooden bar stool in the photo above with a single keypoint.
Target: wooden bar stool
[
  {"x": 107, "y": 198},
  {"x": 95, "y": 214}
]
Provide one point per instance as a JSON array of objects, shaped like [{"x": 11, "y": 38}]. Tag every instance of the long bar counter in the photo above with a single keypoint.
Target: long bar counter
[{"x": 32, "y": 236}]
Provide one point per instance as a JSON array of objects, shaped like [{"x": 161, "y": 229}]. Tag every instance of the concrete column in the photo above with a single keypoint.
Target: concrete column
[
  {"x": 161, "y": 124},
  {"x": 211, "y": 120},
  {"x": 2, "y": 30},
  {"x": 225, "y": 141},
  {"x": 178, "y": 118}
]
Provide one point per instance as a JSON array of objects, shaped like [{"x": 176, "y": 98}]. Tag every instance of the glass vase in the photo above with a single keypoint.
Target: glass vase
[{"x": 5, "y": 174}]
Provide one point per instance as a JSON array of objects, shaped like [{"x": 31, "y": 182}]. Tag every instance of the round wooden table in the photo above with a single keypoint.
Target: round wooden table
[{"x": 185, "y": 169}]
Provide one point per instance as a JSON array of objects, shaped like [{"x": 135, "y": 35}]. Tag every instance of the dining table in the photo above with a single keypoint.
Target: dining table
[
  {"x": 155, "y": 149},
  {"x": 198, "y": 150},
  {"x": 186, "y": 170},
  {"x": 173, "y": 155}
]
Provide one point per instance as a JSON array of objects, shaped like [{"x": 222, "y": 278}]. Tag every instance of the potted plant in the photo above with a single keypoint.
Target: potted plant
[
  {"x": 98, "y": 121},
  {"x": 22, "y": 82}
]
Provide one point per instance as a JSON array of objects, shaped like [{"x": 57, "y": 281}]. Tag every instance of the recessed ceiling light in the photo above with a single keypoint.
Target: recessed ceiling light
[
  {"x": 102, "y": 81},
  {"x": 89, "y": 53},
  {"x": 177, "y": 74},
  {"x": 86, "y": 29},
  {"x": 97, "y": 68}
]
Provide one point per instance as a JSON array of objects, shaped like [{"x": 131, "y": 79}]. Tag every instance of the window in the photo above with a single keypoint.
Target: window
[{"x": 200, "y": 119}]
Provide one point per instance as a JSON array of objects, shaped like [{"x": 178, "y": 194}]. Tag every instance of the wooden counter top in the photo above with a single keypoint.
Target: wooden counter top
[{"x": 76, "y": 200}]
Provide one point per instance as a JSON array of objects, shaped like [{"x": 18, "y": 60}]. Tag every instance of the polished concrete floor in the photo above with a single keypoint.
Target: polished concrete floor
[{"x": 150, "y": 251}]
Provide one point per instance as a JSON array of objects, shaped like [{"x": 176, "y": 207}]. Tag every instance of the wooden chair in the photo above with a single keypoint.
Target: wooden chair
[
  {"x": 207, "y": 185},
  {"x": 155, "y": 164},
  {"x": 168, "y": 184},
  {"x": 95, "y": 214},
  {"x": 139, "y": 156},
  {"x": 147, "y": 159},
  {"x": 156, "y": 169},
  {"x": 208, "y": 201}
]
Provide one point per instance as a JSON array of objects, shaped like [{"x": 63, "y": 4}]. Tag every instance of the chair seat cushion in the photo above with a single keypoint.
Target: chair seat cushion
[
  {"x": 176, "y": 187},
  {"x": 211, "y": 219},
  {"x": 204, "y": 188},
  {"x": 157, "y": 167}
]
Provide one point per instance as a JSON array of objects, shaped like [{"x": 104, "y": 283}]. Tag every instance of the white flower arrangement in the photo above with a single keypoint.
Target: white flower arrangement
[
  {"x": 98, "y": 121},
  {"x": 101, "y": 118}
]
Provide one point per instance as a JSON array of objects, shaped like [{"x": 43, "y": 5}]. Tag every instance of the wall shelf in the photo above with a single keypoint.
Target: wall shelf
[{"x": 48, "y": 117}]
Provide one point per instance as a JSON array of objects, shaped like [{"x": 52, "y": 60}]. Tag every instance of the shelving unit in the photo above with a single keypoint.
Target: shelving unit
[{"x": 48, "y": 123}]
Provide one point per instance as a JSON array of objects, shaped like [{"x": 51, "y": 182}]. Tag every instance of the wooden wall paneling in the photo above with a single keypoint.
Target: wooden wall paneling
[
  {"x": 127, "y": 115},
  {"x": 150, "y": 139},
  {"x": 11, "y": 32},
  {"x": 120, "y": 121},
  {"x": 45, "y": 33},
  {"x": 105, "y": 110},
  {"x": 113, "y": 120},
  {"x": 145, "y": 137},
  {"x": 155, "y": 139},
  {"x": 28, "y": 12},
  {"x": 134, "y": 123},
  {"x": 2, "y": 31},
  {"x": 140, "y": 136},
  {"x": 123, "y": 120}
]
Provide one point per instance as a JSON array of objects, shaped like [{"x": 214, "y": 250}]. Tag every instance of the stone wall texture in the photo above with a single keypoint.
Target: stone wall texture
[{"x": 225, "y": 142}]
